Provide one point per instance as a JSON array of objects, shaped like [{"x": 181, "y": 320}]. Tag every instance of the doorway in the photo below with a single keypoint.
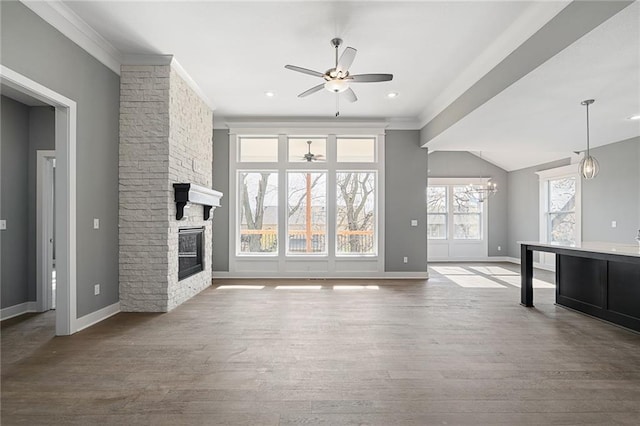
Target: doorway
[
  {"x": 45, "y": 230},
  {"x": 64, "y": 207}
]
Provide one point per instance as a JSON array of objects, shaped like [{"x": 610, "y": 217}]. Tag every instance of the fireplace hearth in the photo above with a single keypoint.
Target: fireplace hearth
[{"x": 190, "y": 252}]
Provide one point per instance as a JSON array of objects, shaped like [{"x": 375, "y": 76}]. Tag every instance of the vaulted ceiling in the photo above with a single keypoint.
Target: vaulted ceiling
[{"x": 437, "y": 51}]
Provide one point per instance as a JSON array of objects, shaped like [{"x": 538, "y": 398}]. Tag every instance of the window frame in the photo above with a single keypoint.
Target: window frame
[
  {"x": 289, "y": 264},
  {"x": 445, "y": 213},
  {"x": 544, "y": 177},
  {"x": 459, "y": 249}
]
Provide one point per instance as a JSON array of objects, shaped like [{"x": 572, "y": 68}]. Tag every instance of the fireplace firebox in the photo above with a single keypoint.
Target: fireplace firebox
[{"x": 190, "y": 252}]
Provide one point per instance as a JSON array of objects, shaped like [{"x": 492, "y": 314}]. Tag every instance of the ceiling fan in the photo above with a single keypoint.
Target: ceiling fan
[
  {"x": 312, "y": 157},
  {"x": 338, "y": 79}
]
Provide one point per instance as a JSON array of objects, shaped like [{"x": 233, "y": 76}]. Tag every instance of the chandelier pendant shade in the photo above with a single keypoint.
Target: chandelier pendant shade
[{"x": 589, "y": 166}]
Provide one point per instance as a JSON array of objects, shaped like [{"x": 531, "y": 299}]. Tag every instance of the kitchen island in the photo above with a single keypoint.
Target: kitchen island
[{"x": 599, "y": 279}]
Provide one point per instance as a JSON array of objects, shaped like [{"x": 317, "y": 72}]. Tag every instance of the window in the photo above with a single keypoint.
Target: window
[
  {"x": 258, "y": 150},
  {"x": 467, "y": 215},
  {"x": 356, "y": 212},
  {"x": 258, "y": 212},
  {"x": 306, "y": 202},
  {"x": 465, "y": 211},
  {"x": 456, "y": 222},
  {"x": 561, "y": 211},
  {"x": 356, "y": 150},
  {"x": 301, "y": 148},
  {"x": 307, "y": 212},
  {"x": 437, "y": 208}
]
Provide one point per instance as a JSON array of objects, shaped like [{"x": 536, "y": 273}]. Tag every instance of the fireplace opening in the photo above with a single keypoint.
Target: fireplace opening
[{"x": 190, "y": 252}]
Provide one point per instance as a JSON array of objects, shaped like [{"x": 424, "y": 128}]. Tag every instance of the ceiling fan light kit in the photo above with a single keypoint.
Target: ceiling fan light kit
[{"x": 338, "y": 79}]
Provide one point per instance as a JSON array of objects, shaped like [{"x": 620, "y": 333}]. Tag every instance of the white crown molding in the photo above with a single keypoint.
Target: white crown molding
[
  {"x": 222, "y": 122},
  {"x": 526, "y": 25},
  {"x": 58, "y": 15},
  {"x": 150, "y": 60}
]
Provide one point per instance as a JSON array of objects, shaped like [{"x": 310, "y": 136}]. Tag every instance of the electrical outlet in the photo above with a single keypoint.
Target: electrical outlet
[
  {"x": 405, "y": 259},
  {"x": 96, "y": 289},
  {"x": 614, "y": 224},
  {"x": 3, "y": 225},
  {"x": 96, "y": 223},
  {"x": 414, "y": 222}
]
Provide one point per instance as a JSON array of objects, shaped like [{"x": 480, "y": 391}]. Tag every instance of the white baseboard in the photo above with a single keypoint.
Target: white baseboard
[
  {"x": 97, "y": 316},
  {"x": 471, "y": 259},
  {"x": 15, "y": 310},
  {"x": 319, "y": 275},
  {"x": 535, "y": 264}
]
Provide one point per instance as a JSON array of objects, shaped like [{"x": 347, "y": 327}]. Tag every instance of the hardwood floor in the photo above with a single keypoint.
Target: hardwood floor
[{"x": 451, "y": 350}]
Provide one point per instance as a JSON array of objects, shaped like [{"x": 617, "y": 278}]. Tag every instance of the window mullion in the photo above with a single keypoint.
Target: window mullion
[{"x": 332, "y": 214}]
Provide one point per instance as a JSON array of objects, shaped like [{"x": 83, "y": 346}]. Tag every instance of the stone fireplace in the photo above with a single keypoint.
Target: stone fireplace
[{"x": 165, "y": 138}]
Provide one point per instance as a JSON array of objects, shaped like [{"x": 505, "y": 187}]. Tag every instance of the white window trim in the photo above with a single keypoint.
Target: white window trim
[
  {"x": 544, "y": 176},
  {"x": 330, "y": 265},
  {"x": 482, "y": 243}
]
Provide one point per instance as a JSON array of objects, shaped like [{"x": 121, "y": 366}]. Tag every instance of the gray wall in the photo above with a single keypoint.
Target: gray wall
[
  {"x": 221, "y": 214},
  {"x": 464, "y": 164},
  {"x": 405, "y": 199},
  {"x": 14, "y": 154},
  {"x": 35, "y": 49},
  {"x": 42, "y": 127},
  {"x": 523, "y": 205},
  {"x": 405, "y": 190},
  {"x": 613, "y": 194}
]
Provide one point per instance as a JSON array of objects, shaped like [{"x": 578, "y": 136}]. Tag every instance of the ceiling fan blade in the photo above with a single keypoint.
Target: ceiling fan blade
[
  {"x": 304, "y": 70},
  {"x": 346, "y": 59},
  {"x": 313, "y": 90},
  {"x": 370, "y": 78},
  {"x": 350, "y": 95}
]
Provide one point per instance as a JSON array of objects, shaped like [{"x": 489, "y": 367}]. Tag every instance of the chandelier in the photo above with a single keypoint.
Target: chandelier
[{"x": 481, "y": 192}]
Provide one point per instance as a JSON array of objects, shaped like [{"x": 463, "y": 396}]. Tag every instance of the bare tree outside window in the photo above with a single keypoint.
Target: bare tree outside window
[
  {"x": 561, "y": 215},
  {"x": 307, "y": 212},
  {"x": 258, "y": 212},
  {"x": 437, "y": 212},
  {"x": 467, "y": 215},
  {"x": 355, "y": 202}
]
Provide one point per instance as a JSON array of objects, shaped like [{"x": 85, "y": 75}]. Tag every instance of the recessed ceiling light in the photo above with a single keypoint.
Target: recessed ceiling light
[
  {"x": 635, "y": 117},
  {"x": 392, "y": 95},
  {"x": 269, "y": 94}
]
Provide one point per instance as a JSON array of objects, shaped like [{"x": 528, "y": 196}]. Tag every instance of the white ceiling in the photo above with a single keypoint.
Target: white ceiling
[
  {"x": 236, "y": 51},
  {"x": 540, "y": 119}
]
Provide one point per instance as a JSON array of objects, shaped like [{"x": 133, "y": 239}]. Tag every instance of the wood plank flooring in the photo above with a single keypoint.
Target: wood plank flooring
[{"x": 408, "y": 353}]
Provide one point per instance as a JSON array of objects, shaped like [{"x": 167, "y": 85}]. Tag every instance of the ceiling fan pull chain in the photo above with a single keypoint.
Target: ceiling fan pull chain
[{"x": 337, "y": 104}]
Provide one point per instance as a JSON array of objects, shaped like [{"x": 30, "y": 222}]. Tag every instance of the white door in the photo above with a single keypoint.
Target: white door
[{"x": 457, "y": 223}]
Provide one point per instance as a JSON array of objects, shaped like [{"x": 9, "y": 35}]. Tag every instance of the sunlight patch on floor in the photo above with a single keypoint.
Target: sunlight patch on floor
[
  {"x": 240, "y": 287},
  {"x": 298, "y": 287},
  {"x": 474, "y": 281},
  {"x": 515, "y": 281},
  {"x": 493, "y": 270},
  {"x": 450, "y": 270}
]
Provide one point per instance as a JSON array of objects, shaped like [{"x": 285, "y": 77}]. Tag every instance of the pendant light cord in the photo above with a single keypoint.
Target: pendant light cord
[{"x": 587, "y": 130}]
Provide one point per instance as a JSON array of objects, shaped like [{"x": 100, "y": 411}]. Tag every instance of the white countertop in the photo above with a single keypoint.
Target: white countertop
[{"x": 594, "y": 247}]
